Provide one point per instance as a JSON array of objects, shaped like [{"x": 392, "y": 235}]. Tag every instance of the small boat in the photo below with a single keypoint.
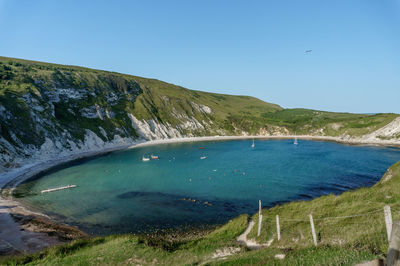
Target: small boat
[
  {"x": 58, "y": 188},
  {"x": 201, "y": 148},
  {"x": 154, "y": 157},
  {"x": 295, "y": 141},
  {"x": 252, "y": 145},
  {"x": 145, "y": 159},
  {"x": 203, "y": 157}
]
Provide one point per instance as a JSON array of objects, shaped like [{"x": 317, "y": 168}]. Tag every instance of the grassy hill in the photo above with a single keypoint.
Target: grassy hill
[
  {"x": 41, "y": 100},
  {"x": 117, "y": 93},
  {"x": 350, "y": 229}
]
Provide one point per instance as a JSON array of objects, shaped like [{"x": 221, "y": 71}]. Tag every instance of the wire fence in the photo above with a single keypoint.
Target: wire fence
[{"x": 365, "y": 231}]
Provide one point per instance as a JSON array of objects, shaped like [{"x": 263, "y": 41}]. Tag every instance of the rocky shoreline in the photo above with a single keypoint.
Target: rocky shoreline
[{"x": 23, "y": 230}]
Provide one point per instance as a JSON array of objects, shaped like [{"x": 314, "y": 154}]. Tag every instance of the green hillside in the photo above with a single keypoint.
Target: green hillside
[
  {"x": 155, "y": 99},
  {"x": 27, "y": 88},
  {"x": 40, "y": 101}
]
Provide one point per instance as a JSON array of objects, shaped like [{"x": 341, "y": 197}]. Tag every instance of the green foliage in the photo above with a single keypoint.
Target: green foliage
[
  {"x": 307, "y": 256},
  {"x": 5, "y": 72},
  {"x": 26, "y": 83},
  {"x": 305, "y": 121}
]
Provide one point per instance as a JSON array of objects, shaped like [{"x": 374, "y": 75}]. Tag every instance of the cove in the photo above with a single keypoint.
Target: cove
[{"x": 119, "y": 193}]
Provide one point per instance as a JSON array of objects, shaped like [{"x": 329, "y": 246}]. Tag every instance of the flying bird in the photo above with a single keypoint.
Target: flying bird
[{"x": 307, "y": 51}]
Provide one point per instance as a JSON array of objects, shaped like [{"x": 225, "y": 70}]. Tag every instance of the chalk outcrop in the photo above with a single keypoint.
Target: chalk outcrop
[{"x": 389, "y": 132}]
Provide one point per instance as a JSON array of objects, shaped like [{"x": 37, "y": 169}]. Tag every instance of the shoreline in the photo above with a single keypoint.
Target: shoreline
[
  {"x": 15, "y": 177},
  {"x": 12, "y": 209}
]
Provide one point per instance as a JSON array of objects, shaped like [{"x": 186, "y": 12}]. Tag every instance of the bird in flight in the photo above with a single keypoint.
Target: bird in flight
[{"x": 307, "y": 51}]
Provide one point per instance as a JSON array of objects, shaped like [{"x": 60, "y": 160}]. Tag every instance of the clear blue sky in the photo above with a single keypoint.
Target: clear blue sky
[{"x": 236, "y": 47}]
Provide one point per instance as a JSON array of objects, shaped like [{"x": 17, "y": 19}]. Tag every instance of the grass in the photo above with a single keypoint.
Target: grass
[
  {"x": 305, "y": 121},
  {"x": 341, "y": 241},
  {"x": 306, "y": 256}
]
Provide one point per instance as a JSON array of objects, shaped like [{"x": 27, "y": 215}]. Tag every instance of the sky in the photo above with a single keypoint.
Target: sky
[{"x": 254, "y": 48}]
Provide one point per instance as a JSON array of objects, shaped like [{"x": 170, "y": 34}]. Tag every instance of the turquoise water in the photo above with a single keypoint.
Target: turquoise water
[{"x": 118, "y": 193}]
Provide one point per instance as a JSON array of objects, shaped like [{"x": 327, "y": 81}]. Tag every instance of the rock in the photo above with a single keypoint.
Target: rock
[{"x": 378, "y": 262}]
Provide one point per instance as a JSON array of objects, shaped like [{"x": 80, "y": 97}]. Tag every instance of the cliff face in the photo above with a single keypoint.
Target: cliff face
[{"x": 49, "y": 111}]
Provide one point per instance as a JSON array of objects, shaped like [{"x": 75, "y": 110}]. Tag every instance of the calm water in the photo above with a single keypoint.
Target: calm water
[{"x": 118, "y": 193}]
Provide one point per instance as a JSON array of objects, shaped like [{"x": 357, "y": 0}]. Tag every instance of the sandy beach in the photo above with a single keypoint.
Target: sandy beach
[{"x": 22, "y": 230}]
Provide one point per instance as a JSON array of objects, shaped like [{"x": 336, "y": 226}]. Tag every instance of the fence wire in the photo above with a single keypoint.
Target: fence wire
[{"x": 364, "y": 231}]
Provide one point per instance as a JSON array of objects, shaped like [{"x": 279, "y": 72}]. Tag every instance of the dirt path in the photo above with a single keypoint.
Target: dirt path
[{"x": 251, "y": 243}]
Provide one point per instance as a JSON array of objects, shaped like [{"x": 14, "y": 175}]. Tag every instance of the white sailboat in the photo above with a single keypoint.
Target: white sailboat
[
  {"x": 295, "y": 140},
  {"x": 145, "y": 159},
  {"x": 252, "y": 145}
]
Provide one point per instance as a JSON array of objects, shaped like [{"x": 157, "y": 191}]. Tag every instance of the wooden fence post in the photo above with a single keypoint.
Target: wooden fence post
[
  {"x": 313, "y": 230},
  {"x": 393, "y": 256},
  {"x": 278, "y": 229},
  {"x": 388, "y": 220},
  {"x": 259, "y": 218}
]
